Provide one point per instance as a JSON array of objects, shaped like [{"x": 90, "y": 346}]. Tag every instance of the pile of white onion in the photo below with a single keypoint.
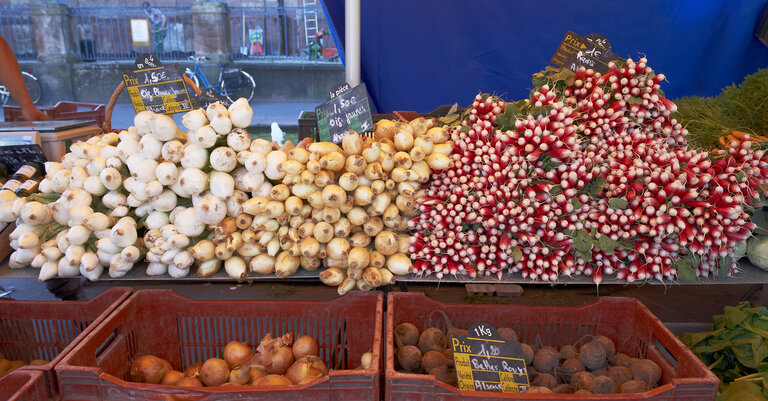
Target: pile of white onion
[{"x": 212, "y": 197}]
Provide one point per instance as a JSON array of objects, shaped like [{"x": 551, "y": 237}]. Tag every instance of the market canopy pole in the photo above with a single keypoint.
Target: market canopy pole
[{"x": 352, "y": 41}]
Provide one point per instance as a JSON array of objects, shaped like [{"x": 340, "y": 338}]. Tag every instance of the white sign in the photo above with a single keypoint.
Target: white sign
[{"x": 140, "y": 32}]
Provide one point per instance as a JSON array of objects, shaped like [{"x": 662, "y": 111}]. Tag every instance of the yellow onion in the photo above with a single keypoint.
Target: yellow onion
[{"x": 306, "y": 367}]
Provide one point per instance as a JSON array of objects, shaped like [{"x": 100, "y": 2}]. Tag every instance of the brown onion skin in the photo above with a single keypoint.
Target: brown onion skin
[
  {"x": 306, "y": 367},
  {"x": 304, "y": 346},
  {"x": 273, "y": 380}
]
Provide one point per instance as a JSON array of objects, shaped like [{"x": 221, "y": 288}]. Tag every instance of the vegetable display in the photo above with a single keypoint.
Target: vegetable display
[
  {"x": 213, "y": 197},
  {"x": 280, "y": 361},
  {"x": 594, "y": 367},
  {"x": 590, "y": 176},
  {"x": 736, "y": 350},
  {"x": 735, "y": 112}
]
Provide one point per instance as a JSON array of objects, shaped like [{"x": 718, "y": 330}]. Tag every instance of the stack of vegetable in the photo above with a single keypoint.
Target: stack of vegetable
[
  {"x": 735, "y": 112},
  {"x": 591, "y": 176},
  {"x": 277, "y": 362},
  {"x": 594, "y": 367},
  {"x": 213, "y": 196},
  {"x": 736, "y": 350}
]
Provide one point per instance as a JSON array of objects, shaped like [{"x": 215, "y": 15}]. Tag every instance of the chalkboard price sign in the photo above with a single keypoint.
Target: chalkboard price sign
[
  {"x": 18, "y": 155},
  {"x": 157, "y": 88},
  {"x": 591, "y": 51},
  {"x": 349, "y": 110},
  {"x": 486, "y": 362}
]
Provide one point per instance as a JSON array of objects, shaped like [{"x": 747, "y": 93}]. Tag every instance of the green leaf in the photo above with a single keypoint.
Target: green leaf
[
  {"x": 576, "y": 204},
  {"x": 742, "y": 391},
  {"x": 517, "y": 254},
  {"x": 618, "y": 203},
  {"x": 507, "y": 119},
  {"x": 539, "y": 81},
  {"x": 586, "y": 256},
  {"x": 685, "y": 272},
  {"x": 594, "y": 187},
  {"x": 725, "y": 265},
  {"x": 734, "y": 316},
  {"x": 635, "y": 100},
  {"x": 607, "y": 244},
  {"x": 465, "y": 129},
  {"x": 556, "y": 190},
  {"x": 582, "y": 241},
  {"x": 543, "y": 111},
  {"x": 449, "y": 119}
]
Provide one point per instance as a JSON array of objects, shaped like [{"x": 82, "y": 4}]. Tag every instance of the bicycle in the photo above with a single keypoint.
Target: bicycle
[
  {"x": 233, "y": 83},
  {"x": 33, "y": 87}
]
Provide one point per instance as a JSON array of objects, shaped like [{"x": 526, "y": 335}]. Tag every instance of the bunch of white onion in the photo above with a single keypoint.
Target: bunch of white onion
[{"x": 346, "y": 207}]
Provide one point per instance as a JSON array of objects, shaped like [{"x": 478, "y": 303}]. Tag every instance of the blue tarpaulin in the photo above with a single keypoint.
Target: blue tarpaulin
[{"x": 417, "y": 55}]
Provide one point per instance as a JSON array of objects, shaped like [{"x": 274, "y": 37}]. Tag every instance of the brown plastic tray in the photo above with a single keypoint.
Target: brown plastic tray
[
  {"x": 633, "y": 328},
  {"x": 48, "y": 330},
  {"x": 186, "y": 331}
]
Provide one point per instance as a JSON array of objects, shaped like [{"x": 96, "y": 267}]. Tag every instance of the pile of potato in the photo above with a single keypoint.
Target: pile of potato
[{"x": 593, "y": 368}]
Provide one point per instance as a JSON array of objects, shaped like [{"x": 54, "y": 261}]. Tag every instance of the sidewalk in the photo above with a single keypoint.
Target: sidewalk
[{"x": 264, "y": 114}]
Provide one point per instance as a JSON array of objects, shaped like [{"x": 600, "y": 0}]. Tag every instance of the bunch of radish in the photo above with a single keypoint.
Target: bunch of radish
[{"x": 586, "y": 177}]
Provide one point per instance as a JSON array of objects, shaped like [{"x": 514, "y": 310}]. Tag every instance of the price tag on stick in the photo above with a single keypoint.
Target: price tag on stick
[
  {"x": 591, "y": 51},
  {"x": 348, "y": 110},
  {"x": 486, "y": 362},
  {"x": 155, "y": 87}
]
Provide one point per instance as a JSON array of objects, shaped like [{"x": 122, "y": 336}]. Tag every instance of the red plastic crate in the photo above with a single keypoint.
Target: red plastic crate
[
  {"x": 48, "y": 330},
  {"x": 63, "y": 111},
  {"x": 633, "y": 328},
  {"x": 24, "y": 385},
  {"x": 186, "y": 331}
]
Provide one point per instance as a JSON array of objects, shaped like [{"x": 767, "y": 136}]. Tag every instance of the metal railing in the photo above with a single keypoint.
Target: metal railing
[
  {"x": 104, "y": 33},
  {"x": 270, "y": 32},
  {"x": 15, "y": 28}
]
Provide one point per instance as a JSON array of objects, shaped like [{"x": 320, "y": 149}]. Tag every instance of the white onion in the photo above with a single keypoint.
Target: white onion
[
  {"x": 163, "y": 127},
  {"x": 222, "y": 184},
  {"x": 194, "y": 156}
]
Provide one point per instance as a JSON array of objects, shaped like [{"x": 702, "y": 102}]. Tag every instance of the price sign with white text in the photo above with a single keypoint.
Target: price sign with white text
[{"x": 486, "y": 362}]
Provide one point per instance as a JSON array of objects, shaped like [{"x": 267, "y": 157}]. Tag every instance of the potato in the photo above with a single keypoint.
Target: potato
[
  {"x": 546, "y": 359},
  {"x": 444, "y": 374},
  {"x": 448, "y": 354},
  {"x": 582, "y": 380},
  {"x": 569, "y": 352},
  {"x": 527, "y": 353},
  {"x": 645, "y": 370},
  {"x": 432, "y": 339},
  {"x": 538, "y": 390},
  {"x": 633, "y": 386},
  {"x": 545, "y": 380},
  {"x": 454, "y": 331},
  {"x": 592, "y": 355},
  {"x": 603, "y": 385},
  {"x": 563, "y": 389},
  {"x": 568, "y": 368},
  {"x": 507, "y": 334},
  {"x": 621, "y": 360},
  {"x": 432, "y": 359},
  {"x": 607, "y": 344},
  {"x": 409, "y": 358},
  {"x": 620, "y": 374},
  {"x": 406, "y": 334}
]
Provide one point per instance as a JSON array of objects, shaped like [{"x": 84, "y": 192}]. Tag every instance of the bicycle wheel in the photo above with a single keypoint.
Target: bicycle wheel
[
  {"x": 246, "y": 89},
  {"x": 33, "y": 87}
]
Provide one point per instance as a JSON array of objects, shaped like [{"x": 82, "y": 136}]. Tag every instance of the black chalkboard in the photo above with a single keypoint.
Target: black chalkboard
[
  {"x": 155, "y": 87},
  {"x": 486, "y": 362},
  {"x": 349, "y": 110},
  {"x": 17, "y": 155},
  {"x": 209, "y": 96},
  {"x": 591, "y": 51}
]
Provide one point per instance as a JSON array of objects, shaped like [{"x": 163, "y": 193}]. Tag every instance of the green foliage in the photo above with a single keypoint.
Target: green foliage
[
  {"x": 742, "y": 108},
  {"x": 736, "y": 350}
]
